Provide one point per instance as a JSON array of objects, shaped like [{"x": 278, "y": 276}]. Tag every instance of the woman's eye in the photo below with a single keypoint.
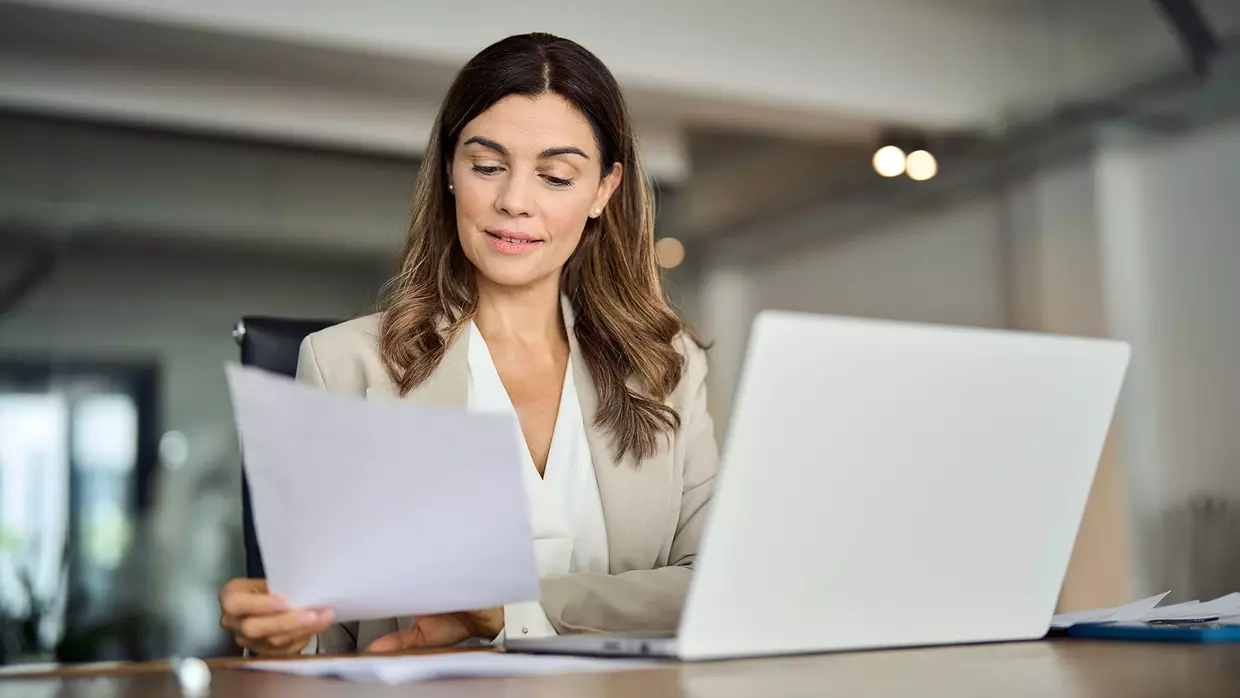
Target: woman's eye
[
  {"x": 558, "y": 181},
  {"x": 487, "y": 169}
]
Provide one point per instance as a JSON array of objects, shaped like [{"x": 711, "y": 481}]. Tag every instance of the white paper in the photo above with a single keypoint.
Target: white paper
[
  {"x": 1186, "y": 607},
  {"x": 1128, "y": 612},
  {"x": 1228, "y": 605},
  {"x": 427, "y": 667},
  {"x": 382, "y": 508}
]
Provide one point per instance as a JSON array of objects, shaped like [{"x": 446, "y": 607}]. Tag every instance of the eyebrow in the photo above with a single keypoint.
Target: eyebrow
[{"x": 548, "y": 153}]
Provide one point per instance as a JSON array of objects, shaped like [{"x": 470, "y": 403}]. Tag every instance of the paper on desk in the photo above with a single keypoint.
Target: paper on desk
[
  {"x": 1185, "y": 607},
  {"x": 382, "y": 508},
  {"x": 1128, "y": 612},
  {"x": 1223, "y": 606},
  {"x": 428, "y": 667}
]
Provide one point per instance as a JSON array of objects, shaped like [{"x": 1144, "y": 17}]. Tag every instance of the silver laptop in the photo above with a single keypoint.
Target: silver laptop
[{"x": 890, "y": 484}]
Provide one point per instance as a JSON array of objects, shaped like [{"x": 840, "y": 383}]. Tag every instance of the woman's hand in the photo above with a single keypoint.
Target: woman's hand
[
  {"x": 443, "y": 630},
  {"x": 263, "y": 623}
]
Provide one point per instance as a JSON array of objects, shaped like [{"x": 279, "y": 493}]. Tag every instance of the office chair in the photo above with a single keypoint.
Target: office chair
[{"x": 271, "y": 344}]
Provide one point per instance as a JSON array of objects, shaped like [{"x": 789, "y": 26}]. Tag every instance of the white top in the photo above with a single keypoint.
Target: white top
[{"x": 566, "y": 513}]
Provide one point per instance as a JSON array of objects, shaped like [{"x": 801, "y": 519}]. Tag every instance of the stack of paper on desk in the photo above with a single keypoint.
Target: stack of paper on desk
[
  {"x": 1223, "y": 608},
  {"x": 1128, "y": 612},
  {"x": 427, "y": 667},
  {"x": 382, "y": 509}
]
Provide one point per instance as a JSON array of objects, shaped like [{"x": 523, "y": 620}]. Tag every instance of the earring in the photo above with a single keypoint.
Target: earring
[
  {"x": 597, "y": 212},
  {"x": 450, "y": 189}
]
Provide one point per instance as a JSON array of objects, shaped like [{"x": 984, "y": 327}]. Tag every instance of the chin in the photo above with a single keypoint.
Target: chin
[{"x": 510, "y": 274}]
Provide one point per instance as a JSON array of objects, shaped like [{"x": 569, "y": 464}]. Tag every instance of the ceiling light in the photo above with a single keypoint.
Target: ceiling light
[
  {"x": 921, "y": 165},
  {"x": 889, "y": 161}
]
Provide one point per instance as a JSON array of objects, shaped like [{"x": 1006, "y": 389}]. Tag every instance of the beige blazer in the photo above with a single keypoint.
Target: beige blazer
[{"x": 654, "y": 513}]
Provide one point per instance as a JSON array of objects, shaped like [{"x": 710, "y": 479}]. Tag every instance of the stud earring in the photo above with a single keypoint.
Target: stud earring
[
  {"x": 597, "y": 212},
  {"x": 450, "y": 189}
]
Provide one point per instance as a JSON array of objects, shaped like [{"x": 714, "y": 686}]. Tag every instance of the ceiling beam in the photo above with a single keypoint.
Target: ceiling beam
[{"x": 197, "y": 100}]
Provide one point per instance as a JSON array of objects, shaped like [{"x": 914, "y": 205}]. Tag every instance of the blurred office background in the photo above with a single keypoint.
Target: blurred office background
[{"x": 168, "y": 166}]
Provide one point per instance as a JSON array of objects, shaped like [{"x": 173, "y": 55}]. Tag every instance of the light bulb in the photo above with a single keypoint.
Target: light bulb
[
  {"x": 889, "y": 161},
  {"x": 670, "y": 252},
  {"x": 921, "y": 165}
]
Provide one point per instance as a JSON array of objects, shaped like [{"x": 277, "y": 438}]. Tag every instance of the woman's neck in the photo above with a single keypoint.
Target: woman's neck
[{"x": 527, "y": 315}]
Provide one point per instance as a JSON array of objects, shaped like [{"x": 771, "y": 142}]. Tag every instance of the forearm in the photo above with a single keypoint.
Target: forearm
[{"x": 640, "y": 601}]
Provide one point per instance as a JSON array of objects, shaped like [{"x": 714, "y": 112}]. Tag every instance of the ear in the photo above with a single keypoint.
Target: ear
[{"x": 606, "y": 187}]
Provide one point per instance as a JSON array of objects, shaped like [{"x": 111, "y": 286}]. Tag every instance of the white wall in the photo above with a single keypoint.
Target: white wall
[
  {"x": 1170, "y": 226},
  {"x": 1053, "y": 269},
  {"x": 179, "y": 308},
  {"x": 942, "y": 266}
]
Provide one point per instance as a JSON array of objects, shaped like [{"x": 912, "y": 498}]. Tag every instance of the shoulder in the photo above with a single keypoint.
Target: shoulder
[
  {"x": 345, "y": 356},
  {"x": 352, "y": 336},
  {"x": 693, "y": 370}
]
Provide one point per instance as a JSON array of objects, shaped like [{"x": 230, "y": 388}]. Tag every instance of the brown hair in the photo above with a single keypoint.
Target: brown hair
[{"x": 623, "y": 324}]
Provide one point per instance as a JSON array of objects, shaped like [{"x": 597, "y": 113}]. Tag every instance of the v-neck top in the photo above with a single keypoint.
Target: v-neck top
[{"x": 566, "y": 512}]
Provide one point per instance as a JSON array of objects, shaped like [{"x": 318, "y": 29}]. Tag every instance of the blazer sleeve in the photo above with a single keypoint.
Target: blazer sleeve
[
  {"x": 649, "y": 601},
  {"x": 340, "y": 638}
]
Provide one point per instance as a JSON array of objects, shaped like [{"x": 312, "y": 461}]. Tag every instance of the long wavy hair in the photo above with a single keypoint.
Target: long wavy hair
[{"x": 623, "y": 324}]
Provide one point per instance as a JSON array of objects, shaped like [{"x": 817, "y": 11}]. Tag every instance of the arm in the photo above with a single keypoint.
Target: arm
[
  {"x": 1099, "y": 573},
  {"x": 649, "y": 600}
]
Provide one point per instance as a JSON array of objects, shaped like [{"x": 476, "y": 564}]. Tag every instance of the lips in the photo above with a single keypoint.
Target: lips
[
  {"x": 510, "y": 242},
  {"x": 512, "y": 237}
]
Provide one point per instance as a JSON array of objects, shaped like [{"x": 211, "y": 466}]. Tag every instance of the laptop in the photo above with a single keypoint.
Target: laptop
[{"x": 889, "y": 484}]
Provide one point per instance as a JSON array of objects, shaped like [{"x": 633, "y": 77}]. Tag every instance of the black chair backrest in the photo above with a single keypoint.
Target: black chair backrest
[{"x": 271, "y": 344}]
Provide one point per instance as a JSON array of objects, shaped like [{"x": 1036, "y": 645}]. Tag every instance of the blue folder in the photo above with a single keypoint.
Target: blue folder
[{"x": 1208, "y": 631}]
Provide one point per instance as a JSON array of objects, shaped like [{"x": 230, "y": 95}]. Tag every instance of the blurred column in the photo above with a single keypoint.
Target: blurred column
[
  {"x": 1168, "y": 210},
  {"x": 727, "y": 306}
]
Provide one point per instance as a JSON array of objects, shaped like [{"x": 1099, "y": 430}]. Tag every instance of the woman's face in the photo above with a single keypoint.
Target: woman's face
[{"x": 526, "y": 175}]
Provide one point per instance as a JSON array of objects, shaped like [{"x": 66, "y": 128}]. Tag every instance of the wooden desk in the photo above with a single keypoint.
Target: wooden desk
[{"x": 1061, "y": 668}]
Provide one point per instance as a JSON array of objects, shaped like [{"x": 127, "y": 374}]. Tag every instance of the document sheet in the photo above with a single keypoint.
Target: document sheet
[
  {"x": 382, "y": 508},
  {"x": 427, "y": 667},
  {"x": 1128, "y": 612}
]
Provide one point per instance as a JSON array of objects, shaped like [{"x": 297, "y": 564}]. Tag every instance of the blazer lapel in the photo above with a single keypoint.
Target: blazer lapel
[
  {"x": 448, "y": 385},
  {"x": 637, "y": 499}
]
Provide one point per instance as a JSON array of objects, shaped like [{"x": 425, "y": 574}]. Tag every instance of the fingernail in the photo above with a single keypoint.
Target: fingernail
[
  {"x": 308, "y": 618},
  {"x": 279, "y": 604}
]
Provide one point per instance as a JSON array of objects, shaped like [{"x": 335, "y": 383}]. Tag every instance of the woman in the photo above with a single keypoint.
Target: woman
[{"x": 528, "y": 284}]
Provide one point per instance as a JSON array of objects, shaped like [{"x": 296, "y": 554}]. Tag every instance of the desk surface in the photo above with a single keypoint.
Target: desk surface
[{"x": 1055, "y": 668}]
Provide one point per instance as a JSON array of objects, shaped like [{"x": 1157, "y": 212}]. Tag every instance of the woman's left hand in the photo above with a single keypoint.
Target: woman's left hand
[{"x": 443, "y": 630}]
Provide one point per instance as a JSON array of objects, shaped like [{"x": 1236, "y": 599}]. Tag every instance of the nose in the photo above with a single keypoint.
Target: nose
[{"x": 515, "y": 197}]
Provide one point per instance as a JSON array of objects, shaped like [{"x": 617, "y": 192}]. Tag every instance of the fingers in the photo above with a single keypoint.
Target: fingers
[
  {"x": 239, "y": 600},
  {"x": 286, "y": 634},
  {"x": 437, "y": 630},
  {"x": 289, "y": 623},
  {"x": 399, "y": 640},
  {"x": 300, "y": 637},
  {"x": 264, "y": 623},
  {"x": 243, "y": 586},
  {"x": 274, "y": 647}
]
